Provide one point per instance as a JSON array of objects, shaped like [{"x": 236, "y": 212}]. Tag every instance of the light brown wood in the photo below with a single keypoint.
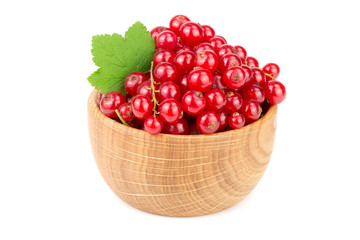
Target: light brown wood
[{"x": 180, "y": 175}]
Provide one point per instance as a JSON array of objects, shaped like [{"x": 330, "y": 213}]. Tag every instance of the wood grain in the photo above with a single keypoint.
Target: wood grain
[{"x": 180, "y": 175}]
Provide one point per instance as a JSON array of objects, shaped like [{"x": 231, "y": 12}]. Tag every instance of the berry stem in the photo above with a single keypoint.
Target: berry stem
[
  {"x": 154, "y": 100},
  {"x": 269, "y": 75},
  {"x": 121, "y": 119}
]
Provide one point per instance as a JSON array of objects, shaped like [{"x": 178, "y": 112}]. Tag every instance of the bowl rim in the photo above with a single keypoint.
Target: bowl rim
[{"x": 119, "y": 126}]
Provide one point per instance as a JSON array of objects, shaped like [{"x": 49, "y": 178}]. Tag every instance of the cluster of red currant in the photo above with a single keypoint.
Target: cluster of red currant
[{"x": 199, "y": 84}]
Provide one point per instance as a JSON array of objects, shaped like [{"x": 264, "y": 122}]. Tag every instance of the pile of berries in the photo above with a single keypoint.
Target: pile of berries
[{"x": 198, "y": 84}]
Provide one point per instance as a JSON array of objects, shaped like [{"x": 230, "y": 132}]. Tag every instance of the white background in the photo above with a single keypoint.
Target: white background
[{"x": 50, "y": 187}]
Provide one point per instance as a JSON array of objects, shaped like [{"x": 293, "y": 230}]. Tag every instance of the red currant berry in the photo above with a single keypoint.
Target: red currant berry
[
  {"x": 156, "y": 31},
  {"x": 229, "y": 60},
  {"x": 218, "y": 82},
  {"x": 200, "y": 80},
  {"x": 193, "y": 102},
  {"x": 217, "y": 41},
  {"x": 170, "y": 110},
  {"x": 145, "y": 89},
  {"x": 181, "y": 48},
  {"x": 254, "y": 92},
  {"x": 225, "y": 49},
  {"x": 194, "y": 130},
  {"x": 111, "y": 102},
  {"x": 252, "y": 62},
  {"x": 223, "y": 120},
  {"x": 176, "y": 22},
  {"x": 153, "y": 124},
  {"x": 271, "y": 69},
  {"x": 221, "y": 38},
  {"x": 236, "y": 120},
  {"x": 233, "y": 102},
  {"x": 141, "y": 106},
  {"x": 208, "y": 32},
  {"x": 165, "y": 72},
  {"x": 126, "y": 112},
  {"x": 241, "y": 52},
  {"x": 215, "y": 99},
  {"x": 183, "y": 84},
  {"x": 258, "y": 76},
  {"x": 184, "y": 61},
  {"x": 202, "y": 47},
  {"x": 168, "y": 89},
  {"x": 166, "y": 40},
  {"x": 275, "y": 92},
  {"x": 208, "y": 122},
  {"x": 207, "y": 59},
  {"x": 163, "y": 55},
  {"x": 248, "y": 74},
  {"x": 191, "y": 34},
  {"x": 234, "y": 77},
  {"x": 133, "y": 81},
  {"x": 180, "y": 127},
  {"x": 251, "y": 110}
]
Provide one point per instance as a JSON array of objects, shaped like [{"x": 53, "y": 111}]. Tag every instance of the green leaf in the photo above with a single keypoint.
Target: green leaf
[{"x": 117, "y": 57}]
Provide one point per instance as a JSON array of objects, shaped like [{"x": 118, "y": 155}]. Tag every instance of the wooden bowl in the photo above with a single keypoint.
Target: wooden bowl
[{"x": 180, "y": 175}]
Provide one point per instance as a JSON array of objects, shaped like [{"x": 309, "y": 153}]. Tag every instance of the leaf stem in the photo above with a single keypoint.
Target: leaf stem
[
  {"x": 121, "y": 119},
  {"x": 154, "y": 100}
]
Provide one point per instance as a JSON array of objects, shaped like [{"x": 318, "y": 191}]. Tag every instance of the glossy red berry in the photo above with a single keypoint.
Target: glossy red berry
[
  {"x": 133, "y": 81},
  {"x": 145, "y": 89},
  {"x": 215, "y": 99},
  {"x": 251, "y": 110},
  {"x": 207, "y": 59},
  {"x": 234, "y": 77},
  {"x": 156, "y": 31},
  {"x": 208, "y": 122},
  {"x": 234, "y": 102},
  {"x": 167, "y": 90},
  {"x": 241, "y": 52},
  {"x": 252, "y": 62},
  {"x": 229, "y": 60},
  {"x": 181, "y": 48},
  {"x": 111, "y": 102},
  {"x": 193, "y": 102},
  {"x": 180, "y": 127},
  {"x": 166, "y": 40},
  {"x": 218, "y": 82},
  {"x": 216, "y": 42},
  {"x": 258, "y": 76},
  {"x": 165, "y": 72},
  {"x": 236, "y": 120},
  {"x": 200, "y": 80},
  {"x": 183, "y": 84},
  {"x": 99, "y": 97},
  {"x": 176, "y": 22},
  {"x": 208, "y": 32},
  {"x": 141, "y": 106},
  {"x": 191, "y": 34},
  {"x": 223, "y": 120},
  {"x": 271, "y": 69},
  {"x": 153, "y": 124},
  {"x": 163, "y": 55},
  {"x": 225, "y": 49},
  {"x": 248, "y": 75},
  {"x": 275, "y": 91},
  {"x": 202, "y": 47},
  {"x": 170, "y": 110},
  {"x": 254, "y": 92},
  {"x": 126, "y": 112},
  {"x": 184, "y": 61}
]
